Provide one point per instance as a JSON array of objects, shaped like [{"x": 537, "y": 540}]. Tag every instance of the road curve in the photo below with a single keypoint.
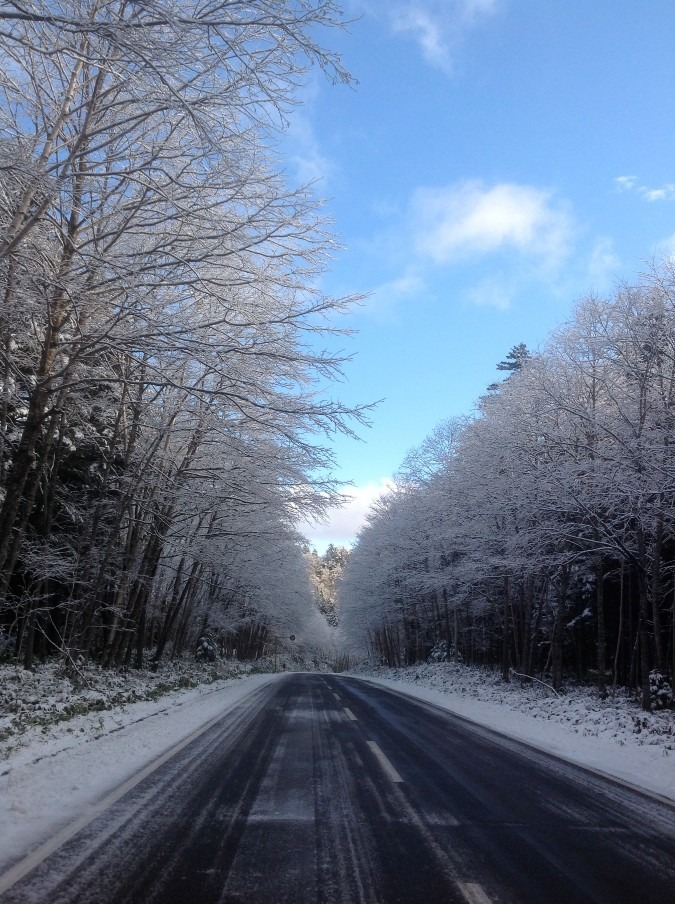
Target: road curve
[{"x": 322, "y": 789}]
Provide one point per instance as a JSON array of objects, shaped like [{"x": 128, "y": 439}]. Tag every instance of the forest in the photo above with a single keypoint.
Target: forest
[
  {"x": 163, "y": 408},
  {"x": 538, "y": 536},
  {"x": 166, "y": 400}
]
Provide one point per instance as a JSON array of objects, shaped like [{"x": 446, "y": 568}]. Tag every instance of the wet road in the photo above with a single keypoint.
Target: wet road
[{"x": 321, "y": 789}]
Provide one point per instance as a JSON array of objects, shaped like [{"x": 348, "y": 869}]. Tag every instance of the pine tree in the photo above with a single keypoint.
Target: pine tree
[{"x": 513, "y": 362}]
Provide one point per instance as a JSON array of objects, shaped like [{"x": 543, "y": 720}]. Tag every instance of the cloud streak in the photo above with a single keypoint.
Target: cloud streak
[
  {"x": 305, "y": 154},
  {"x": 631, "y": 183},
  {"x": 439, "y": 26}
]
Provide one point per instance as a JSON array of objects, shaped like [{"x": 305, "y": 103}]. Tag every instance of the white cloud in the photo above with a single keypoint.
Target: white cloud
[
  {"x": 630, "y": 183},
  {"x": 497, "y": 240},
  {"x": 428, "y": 33},
  {"x": 438, "y": 26},
  {"x": 470, "y": 219},
  {"x": 385, "y": 297},
  {"x": 343, "y": 523},
  {"x": 665, "y": 193},
  {"x": 625, "y": 183},
  {"x": 403, "y": 287},
  {"x": 305, "y": 154},
  {"x": 603, "y": 263}
]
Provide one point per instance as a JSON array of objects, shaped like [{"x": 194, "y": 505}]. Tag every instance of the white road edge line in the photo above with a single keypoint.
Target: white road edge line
[
  {"x": 384, "y": 762},
  {"x": 350, "y": 714},
  {"x": 23, "y": 867},
  {"x": 473, "y": 893}
]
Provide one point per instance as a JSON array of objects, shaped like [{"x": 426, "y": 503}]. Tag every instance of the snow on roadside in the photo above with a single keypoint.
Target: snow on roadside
[
  {"x": 55, "y": 768},
  {"x": 63, "y": 747},
  {"x": 35, "y": 704},
  {"x": 613, "y": 736}
]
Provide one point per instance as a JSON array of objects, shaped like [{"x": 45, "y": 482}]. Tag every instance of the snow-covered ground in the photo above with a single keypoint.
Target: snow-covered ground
[
  {"x": 64, "y": 745},
  {"x": 612, "y": 736}
]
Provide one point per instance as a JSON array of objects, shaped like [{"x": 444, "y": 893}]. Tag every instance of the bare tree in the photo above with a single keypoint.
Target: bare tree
[{"x": 159, "y": 285}]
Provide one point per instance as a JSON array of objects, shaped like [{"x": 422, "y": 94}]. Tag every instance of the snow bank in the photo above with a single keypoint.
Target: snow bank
[
  {"x": 613, "y": 737},
  {"x": 50, "y": 772}
]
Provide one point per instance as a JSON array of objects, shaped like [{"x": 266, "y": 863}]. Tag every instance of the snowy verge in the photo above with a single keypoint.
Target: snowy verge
[
  {"x": 41, "y": 699},
  {"x": 612, "y": 737},
  {"x": 61, "y": 768}
]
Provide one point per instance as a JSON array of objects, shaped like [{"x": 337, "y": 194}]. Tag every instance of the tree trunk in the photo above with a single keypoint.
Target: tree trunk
[
  {"x": 601, "y": 640},
  {"x": 528, "y": 606},
  {"x": 559, "y": 630},
  {"x": 506, "y": 672},
  {"x": 659, "y": 652},
  {"x": 643, "y": 632},
  {"x": 643, "y": 635}
]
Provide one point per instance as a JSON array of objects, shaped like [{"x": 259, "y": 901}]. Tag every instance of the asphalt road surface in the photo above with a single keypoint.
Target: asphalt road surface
[{"x": 320, "y": 789}]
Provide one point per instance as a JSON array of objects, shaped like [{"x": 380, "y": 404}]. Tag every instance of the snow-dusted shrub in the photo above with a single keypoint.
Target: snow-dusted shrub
[
  {"x": 207, "y": 648},
  {"x": 661, "y": 691},
  {"x": 439, "y": 652},
  {"x": 442, "y": 651}
]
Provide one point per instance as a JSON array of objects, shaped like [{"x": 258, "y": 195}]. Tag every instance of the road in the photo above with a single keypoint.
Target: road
[{"x": 322, "y": 789}]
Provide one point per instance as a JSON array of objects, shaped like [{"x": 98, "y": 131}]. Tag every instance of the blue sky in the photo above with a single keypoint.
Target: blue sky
[{"x": 497, "y": 160}]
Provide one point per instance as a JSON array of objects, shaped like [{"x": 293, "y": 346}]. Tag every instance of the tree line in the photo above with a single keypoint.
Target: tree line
[
  {"x": 539, "y": 535},
  {"x": 325, "y": 573},
  {"x": 161, "y": 418}
]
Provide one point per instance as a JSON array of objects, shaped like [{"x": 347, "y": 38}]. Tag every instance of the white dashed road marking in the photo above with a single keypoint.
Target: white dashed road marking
[{"x": 384, "y": 762}]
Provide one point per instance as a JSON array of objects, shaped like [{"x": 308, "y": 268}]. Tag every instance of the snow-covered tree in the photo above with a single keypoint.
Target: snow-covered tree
[
  {"x": 544, "y": 526},
  {"x": 160, "y": 302},
  {"x": 325, "y": 573}
]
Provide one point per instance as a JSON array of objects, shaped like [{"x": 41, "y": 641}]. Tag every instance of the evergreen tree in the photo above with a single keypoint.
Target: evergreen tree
[{"x": 513, "y": 362}]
